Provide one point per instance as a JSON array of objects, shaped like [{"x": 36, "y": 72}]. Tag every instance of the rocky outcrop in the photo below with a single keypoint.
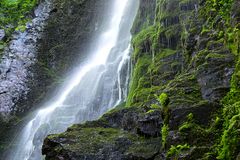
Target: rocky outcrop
[{"x": 106, "y": 139}]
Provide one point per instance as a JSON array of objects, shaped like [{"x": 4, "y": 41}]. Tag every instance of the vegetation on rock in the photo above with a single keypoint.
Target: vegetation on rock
[
  {"x": 14, "y": 14},
  {"x": 187, "y": 53}
]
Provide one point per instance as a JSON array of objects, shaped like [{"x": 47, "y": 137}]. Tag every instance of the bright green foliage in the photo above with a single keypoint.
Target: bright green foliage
[
  {"x": 186, "y": 126},
  {"x": 190, "y": 117},
  {"x": 150, "y": 111},
  {"x": 222, "y": 7},
  {"x": 176, "y": 150},
  {"x": 143, "y": 41},
  {"x": 154, "y": 106},
  {"x": 218, "y": 28},
  {"x": 13, "y": 14},
  {"x": 139, "y": 84},
  {"x": 165, "y": 130},
  {"x": 230, "y": 139},
  {"x": 163, "y": 99},
  {"x": 189, "y": 124}
]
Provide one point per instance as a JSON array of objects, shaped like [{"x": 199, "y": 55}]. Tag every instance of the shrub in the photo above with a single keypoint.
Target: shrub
[{"x": 163, "y": 99}]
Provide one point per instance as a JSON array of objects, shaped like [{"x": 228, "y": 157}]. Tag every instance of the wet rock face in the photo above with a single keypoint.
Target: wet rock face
[
  {"x": 145, "y": 16},
  {"x": 15, "y": 73},
  {"x": 202, "y": 114},
  {"x": 2, "y": 34},
  {"x": 137, "y": 121},
  {"x": 65, "y": 43},
  {"x": 35, "y": 60},
  {"x": 16, "y": 60}
]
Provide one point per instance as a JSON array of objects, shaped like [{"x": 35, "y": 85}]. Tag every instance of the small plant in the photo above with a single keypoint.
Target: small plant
[
  {"x": 14, "y": 14},
  {"x": 165, "y": 130},
  {"x": 150, "y": 111},
  {"x": 176, "y": 150},
  {"x": 164, "y": 100},
  {"x": 21, "y": 28},
  {"x": 154, "y": 106},
  {"x": 188, "y": 124},
  {"x": 190, "y": 117}
]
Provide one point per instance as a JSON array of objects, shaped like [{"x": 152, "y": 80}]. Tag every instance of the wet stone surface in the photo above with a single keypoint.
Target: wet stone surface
[
  {"x": 17, "y": 58},
  {"x": 2, "y": 34}
]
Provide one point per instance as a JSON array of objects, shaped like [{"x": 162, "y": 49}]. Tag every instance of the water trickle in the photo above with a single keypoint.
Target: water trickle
[{"x": 97, "y": 86}]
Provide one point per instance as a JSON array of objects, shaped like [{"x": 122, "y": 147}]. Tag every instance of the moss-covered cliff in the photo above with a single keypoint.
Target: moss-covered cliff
[{"x": 184, "y": 92}]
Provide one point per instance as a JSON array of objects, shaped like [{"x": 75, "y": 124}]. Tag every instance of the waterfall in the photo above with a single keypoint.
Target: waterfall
[{"x": 98, "y": 85}]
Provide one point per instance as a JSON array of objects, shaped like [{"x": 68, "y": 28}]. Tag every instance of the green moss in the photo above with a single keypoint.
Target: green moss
[
  {"x": 190, "y": 117},
  {"x": 144, "y": 149},
  {"x": 14, "y": 14},
  {"x": 164, "y": 53},
  {"x": 150, "y": 111},
  {"x": 182, "y": 87},
  {"x": 116, "y": 108},
  {"x": 205, "y": 30},
  {"x": 215, "y": 55},
  {"x": 155, "y": 106},
  {"x": 230, "y": 140},
  {"x": 82, "y": 136},
  {"x": 143, "y": 41},
  {"x": 85, "y": 141},
  {"x": 139, "y": 83}
]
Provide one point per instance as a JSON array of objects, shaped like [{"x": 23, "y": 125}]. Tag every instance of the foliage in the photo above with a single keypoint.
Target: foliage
[
  {"x": 189, "y": 124},
  {"x": 139, "y": 83},
  {"x": 13, "y": 14},
  {"x": 165, "y": 130},
  {"x": 230, "y": 139},
  {"x": 154, "y": 106},
  {"x": 176, "y": 150},
  {"x": 217, "y": 26},
  {"x": 163, "y": 99},
  {"x": 221, "y": 6},
  {"x": 143, "y": 41}
]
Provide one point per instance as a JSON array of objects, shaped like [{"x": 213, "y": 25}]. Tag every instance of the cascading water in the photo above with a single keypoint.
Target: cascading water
[{"x": 100, "y": 84}]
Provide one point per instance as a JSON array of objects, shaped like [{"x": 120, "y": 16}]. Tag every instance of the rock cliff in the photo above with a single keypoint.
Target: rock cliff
[
  {"x": 183, "y": 101},
  {"x": 37, "y": 59}
]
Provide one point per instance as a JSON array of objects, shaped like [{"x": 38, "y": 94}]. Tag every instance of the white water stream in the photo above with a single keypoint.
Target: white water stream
[{"x": 98, "y": 85}]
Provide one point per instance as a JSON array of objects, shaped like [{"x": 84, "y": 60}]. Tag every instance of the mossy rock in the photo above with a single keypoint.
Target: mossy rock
[{"x": 99, "y": 143}]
